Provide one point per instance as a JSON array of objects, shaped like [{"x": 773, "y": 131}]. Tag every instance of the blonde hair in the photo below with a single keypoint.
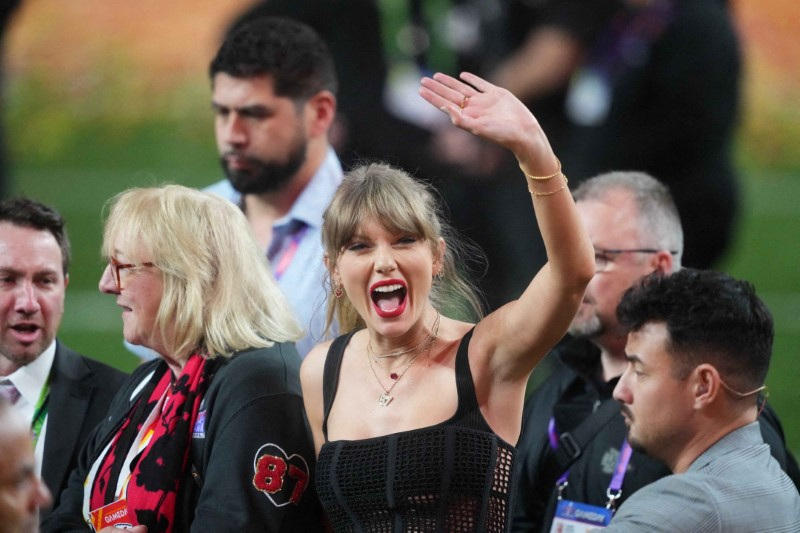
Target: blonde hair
[
  {"x": 402, "y": 204},
  {"x": 219, "y": 295}
]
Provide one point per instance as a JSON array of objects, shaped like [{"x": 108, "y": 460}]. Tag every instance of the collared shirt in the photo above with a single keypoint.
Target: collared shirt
[
  {"x": 301, "y": 276},
  {"x": 29, "y": 381},
  {"x": 735, "y": 485}
]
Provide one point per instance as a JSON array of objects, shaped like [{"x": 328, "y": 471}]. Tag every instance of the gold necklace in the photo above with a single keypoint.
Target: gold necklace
[
  {"x": 430, "y": 338},
  {"x": 384, "y": 399},
  {"x": 391, "y": 355}
]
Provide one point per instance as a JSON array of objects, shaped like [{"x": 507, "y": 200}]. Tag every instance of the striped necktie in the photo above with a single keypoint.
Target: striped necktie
[{"x": 9, "y": 391}]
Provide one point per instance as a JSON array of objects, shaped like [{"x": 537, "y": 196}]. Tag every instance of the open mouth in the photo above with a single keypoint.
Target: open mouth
[
  {"x": 388, "y": 298},
  {"x": 26, "y": 332}
]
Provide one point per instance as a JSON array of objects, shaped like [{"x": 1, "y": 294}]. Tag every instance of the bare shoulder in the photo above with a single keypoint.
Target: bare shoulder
[
  {"x": 451, "y": 333},
  {"x": 311, "y": 377},
  {"x": 454, "y": 330},
  {"x": 314, "y": 363}
]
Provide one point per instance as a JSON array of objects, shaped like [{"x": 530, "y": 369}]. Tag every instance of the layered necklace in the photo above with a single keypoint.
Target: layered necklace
[{"x": 423, "y": 347}]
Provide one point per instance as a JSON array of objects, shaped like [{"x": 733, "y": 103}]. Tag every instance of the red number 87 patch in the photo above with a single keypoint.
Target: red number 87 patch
[{"x": 282, "y": 478}]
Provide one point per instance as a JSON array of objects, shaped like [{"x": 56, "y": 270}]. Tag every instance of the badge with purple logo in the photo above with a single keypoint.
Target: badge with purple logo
[
  {"x": 576, "y": 517},
  {"x": 199, "y": 430}
]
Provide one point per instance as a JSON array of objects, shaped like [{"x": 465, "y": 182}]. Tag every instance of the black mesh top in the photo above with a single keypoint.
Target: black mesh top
[{"x": 453, "y": 477}]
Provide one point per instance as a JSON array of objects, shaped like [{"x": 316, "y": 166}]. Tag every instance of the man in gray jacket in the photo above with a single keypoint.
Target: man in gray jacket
[{"x": 698, "y": 352}]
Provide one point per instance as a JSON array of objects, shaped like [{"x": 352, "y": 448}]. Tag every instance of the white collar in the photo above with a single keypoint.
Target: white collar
[{"x": 30, "y": 379}]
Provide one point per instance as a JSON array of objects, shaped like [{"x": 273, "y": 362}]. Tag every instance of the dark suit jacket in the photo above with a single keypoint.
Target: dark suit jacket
[{"x": 81, "y": 390}]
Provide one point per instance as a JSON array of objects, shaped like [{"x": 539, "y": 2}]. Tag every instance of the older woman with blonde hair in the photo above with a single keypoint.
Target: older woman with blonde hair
[
  {"x": 212, "y": 434},
  {"x": 414, "y": 410}
]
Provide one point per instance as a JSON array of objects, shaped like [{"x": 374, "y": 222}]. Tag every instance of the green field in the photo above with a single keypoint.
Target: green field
[
  {"x": 89, "y": 160},
  {"x": 89, "y": 168}
]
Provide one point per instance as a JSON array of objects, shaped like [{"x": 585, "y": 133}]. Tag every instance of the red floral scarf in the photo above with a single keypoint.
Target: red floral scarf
[{"x": 157, "y": 471}]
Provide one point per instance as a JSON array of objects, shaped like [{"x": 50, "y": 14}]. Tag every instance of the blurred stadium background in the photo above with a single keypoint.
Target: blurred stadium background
[{"x": 101, "y": 96}]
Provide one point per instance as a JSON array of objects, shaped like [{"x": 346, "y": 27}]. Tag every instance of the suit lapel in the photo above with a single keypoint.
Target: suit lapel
[{"x": 69, "y": 403}]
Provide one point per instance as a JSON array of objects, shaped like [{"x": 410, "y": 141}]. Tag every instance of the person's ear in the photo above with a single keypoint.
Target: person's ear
[
  {"x": 330, "y": 267},
  {"x": 321, "y": 110},
  {"x": 663, "y": 262},
  {"x": 705, "y": 385}
]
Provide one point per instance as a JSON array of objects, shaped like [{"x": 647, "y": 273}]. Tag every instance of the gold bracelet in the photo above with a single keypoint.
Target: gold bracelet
[
  {"x": 549, "y": 193},
  {"x": 542, "y": 178}
]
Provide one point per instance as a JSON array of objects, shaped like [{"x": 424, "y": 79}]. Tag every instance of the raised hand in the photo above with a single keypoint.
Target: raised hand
[{"x": 490, "y": 112}]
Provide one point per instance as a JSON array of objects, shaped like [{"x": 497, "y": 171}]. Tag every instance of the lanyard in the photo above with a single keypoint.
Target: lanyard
[
  {"x": 614, "y": 490},
  {"x": 288, "y": 253},
  {"x": 40, "y": 411}
]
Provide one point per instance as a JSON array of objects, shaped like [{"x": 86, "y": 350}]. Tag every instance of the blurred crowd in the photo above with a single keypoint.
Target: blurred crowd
[{"x": 338, "y": 333}]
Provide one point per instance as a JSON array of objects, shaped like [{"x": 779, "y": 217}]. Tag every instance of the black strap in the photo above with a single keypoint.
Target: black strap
[
  {"x": 468, "y": 413},
  {"x": 330, "y": 376},
  {"x": 572, "y": 443}
]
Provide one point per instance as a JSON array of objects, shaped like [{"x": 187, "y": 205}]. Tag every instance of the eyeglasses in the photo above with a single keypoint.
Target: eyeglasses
[
  {"x": 603, "y": 258},
  {"x": 116, "y": 266}
]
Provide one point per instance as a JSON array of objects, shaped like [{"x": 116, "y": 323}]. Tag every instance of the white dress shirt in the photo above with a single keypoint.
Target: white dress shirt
[{"x": 29, "y": 381}]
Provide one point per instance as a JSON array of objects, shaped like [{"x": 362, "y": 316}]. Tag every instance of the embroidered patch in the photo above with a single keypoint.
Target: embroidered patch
[
  {"x": 281, "y": 477},
  {"x": 609, "y": 460},
  {"x": 199, "y": 430}
]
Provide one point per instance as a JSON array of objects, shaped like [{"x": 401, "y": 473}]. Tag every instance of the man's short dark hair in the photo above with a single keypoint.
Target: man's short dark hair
[
  {"x": 292, "y": 53},
  {"x": 28, "y": 213},
  {"x": 710, "y": 317}
]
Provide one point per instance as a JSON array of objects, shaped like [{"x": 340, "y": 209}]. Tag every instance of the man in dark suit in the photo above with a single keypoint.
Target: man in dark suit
[{"x": 63, "y": 394}]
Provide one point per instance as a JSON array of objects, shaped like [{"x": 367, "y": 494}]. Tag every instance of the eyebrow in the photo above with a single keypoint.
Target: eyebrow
[
  {"x": 248, "y": 108},
  {"x": 633, "y": 358},
  {"x": 358, "y": 235},
  {"x": 24, "y": 471},
  {"x": 15, "y": 272}
]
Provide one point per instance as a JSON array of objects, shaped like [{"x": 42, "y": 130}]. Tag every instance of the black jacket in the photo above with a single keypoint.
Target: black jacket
[
  {"x": 570, "y": 395},
  {"x": 80, "y": 391},
  {"x": 253, "y": 407}
]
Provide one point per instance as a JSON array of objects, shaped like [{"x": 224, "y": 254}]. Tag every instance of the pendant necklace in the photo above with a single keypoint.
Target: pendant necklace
[
  {"x": 385, "y": 398},
  {"x": 391, "y": 355}
]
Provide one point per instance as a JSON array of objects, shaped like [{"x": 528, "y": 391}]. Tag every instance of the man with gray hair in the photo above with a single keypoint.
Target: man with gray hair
[{"x": 572, "y": 449}]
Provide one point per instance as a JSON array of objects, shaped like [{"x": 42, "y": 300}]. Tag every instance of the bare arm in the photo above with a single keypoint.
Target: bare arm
[{"x": 508, "y": 343}]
